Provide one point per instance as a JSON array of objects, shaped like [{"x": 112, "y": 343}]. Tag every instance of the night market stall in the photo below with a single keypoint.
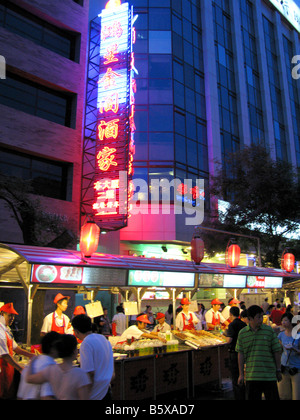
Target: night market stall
[{"x": 183, "y": 366}]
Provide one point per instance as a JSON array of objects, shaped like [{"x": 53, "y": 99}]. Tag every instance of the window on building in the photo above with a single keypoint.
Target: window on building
[
  {"x": 35, "y": 99},
  {"x": 49, "y": 178},
  {"x": 23, "y": 23}
]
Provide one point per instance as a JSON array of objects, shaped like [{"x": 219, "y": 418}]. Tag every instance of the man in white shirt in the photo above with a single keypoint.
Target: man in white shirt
[
  {"x": 57, "y": 321},
  {"x": 96, "y": 357},
  {"x": 226, "y": 311},
  {"x": 214, "y": 319},
  {"x": 120, "y": 320},
  {"x": 138, "y": 331},
  {"x": 162, "y": 326}
]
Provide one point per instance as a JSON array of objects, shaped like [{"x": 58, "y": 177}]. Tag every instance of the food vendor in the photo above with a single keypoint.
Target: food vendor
[
  {"x": 226, "y": 311},
  {"x": 138, "y": 331},
  {"x": 162, "y": 326},
  {"x": 214, "y": 319},
  {"x": 8, "y": 347},
  {"x": 186, "y": 320},
  {"x": 57, "y": 321}
]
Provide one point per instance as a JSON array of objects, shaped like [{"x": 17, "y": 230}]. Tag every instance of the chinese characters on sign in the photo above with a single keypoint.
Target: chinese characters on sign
[{"x": 115, "y": 148}]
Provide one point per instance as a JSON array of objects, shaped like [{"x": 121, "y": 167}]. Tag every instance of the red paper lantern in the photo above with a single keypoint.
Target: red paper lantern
[
  {"x": 197, "y": 251},
  {"x": 288, "y": 262},
  {"x": 233, "y": 255},
  {"x": 89, "y": 239}
]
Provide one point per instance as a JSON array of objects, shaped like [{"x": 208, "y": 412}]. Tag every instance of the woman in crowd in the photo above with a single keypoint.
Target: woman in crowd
[{"x": 289, "y": 387}]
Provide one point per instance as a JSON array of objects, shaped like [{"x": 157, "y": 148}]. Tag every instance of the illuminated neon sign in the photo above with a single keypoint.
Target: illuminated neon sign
[{"x": 115, "y": 126}]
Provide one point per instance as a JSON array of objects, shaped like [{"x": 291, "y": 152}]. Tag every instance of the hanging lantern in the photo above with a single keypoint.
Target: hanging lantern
[
  {"x": 89, "y": 239},
  {"x": 197, "y": 250},
  {"x": 288, "y": 261},
  {"x": 232, "y": 256}
]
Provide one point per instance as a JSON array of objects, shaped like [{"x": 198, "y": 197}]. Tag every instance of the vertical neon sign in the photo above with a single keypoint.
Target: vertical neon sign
[{"x": 115, "y": 126}]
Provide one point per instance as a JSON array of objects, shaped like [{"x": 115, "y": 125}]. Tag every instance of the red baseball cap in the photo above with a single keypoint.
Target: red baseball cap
[
  {"x": 216, "y": 302},
  {"x": 235, "y": 301},
  {"x": 60, "y": 297},
  {"x": 143, "y": 318},
  {"x": 160, "y": 315},
  {"x": 185, "y": 301},
  {"x": 9, "y": 309}
]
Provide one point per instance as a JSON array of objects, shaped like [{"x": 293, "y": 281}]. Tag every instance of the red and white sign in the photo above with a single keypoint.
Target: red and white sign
[{"x": 56, "y": 274}]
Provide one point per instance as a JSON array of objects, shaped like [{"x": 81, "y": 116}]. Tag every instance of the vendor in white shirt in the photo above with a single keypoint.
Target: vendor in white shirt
[
  {"x": 213, "y": 317},
  {"x": 186, "y": 320},
  {"x": 57, "y": 321},
  {"x": 162, "y": 326},
  {"x": 138, "y": 331},
  {"x": 226, "y": 311}
]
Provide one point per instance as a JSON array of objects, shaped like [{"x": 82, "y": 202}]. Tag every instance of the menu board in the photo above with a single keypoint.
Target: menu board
[
  {"x": 211, "y": 280},
  {"x": 160, "y": 279},
  {"x": 55, "y": 274},
  {"x": 234, "y": 281},
  {"x": 261, "y": 282}
]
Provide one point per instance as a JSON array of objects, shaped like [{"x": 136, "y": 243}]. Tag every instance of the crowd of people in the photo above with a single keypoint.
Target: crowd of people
[{"x": 263, "y": 345}]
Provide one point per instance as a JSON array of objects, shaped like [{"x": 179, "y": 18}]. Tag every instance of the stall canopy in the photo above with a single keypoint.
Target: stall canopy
[
  {"x": 49, "y": 266},
  {"x": 35, "y": 267}
]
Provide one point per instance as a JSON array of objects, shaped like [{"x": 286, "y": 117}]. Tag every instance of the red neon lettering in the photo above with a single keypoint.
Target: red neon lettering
[
  {"x": 109, "y": 78},
  {"x": 106, "y": 159},
  {"x": 108, "y": 130},
  {"x": 110, "y": 103},
  {"x": 112, "y": 31},
  {"x": 111, "y": 51}
]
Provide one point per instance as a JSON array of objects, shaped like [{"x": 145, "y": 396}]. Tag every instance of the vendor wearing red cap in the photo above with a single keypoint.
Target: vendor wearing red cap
[
  {"x": 213, "y": 317},
  {"x": 57, "y": 321},
  {"x": 226, "y": 311},
  {"x": 138, "y": 331},
  {"x": 162, "y": 326},
  {"x": 186, "y": 320},
  {"x": 8, "y": 347}
]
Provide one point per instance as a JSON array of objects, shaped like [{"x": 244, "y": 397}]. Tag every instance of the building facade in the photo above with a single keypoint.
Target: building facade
[
  {"x": 214, "y": 76},
  {"x": 42, "y": 104}
]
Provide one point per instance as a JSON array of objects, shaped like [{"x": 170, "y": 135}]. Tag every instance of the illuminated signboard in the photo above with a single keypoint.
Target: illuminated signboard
[
  {"x": 290, "y": 10},
  {"x": 234, "y": 281},
  {"x": 260, "y": 282},
  {"x": 55, "y": 274},
  {"x": 160, "y": 279},
  {"x": 113, "y": 186},
  {"x": 222, "y": 280}
]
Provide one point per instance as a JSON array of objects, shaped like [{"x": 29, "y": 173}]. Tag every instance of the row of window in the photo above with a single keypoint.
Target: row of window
[
  {"x": 35, "y": 99},
  {"x": 21, "y": 22},
  {"x": 49, "y": 178}
]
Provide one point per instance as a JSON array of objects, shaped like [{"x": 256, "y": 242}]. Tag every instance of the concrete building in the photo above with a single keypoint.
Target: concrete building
[{"x": 42, "y": 104}]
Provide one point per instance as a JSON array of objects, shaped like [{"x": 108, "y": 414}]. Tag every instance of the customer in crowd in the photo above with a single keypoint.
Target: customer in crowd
[
  {"x": 259, "y": 349},
  {"x": 104, "y": 324},
  {"x": 150, "y": 317},
  {"x": 200, "y": 315},
  {"x": 68, "y": 382},
  {"x": 244, "y": 316},
  {"x": 265, "y": 305},
  {"x": 119, "y": 320},
  {"x": 29, "y": 391},
  {"x": 235, "y": 326},
  {"x": 10, "y": 369},
  {"x": 289, "y": 387},
  {"x": 276, "y": 315},
  {"x": 96, "y": 357},
  {"x": 169, "y": 315}
]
